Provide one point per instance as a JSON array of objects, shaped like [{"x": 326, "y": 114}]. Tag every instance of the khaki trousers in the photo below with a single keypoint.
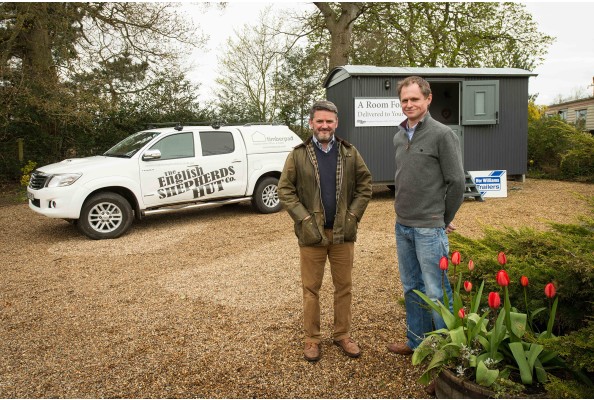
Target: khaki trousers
[{"x": 313, "y": 261}]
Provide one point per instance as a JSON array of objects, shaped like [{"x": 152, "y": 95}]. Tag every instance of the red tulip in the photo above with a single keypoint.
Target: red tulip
[
  {"x": 443, "y": 263},
  {"x": 461, "y": 313},
  {"x": 494, "y": 300},
  {"x": 550, "y": 290},
  {"x": 502, "y": 278},
  {"x": 524, "y": 281},
  {"x": 456, "y": 258},
  {"x": 470, "y": 265},
  {"x": 501, "y": 258},
  {"x": 467, "y": 286}
]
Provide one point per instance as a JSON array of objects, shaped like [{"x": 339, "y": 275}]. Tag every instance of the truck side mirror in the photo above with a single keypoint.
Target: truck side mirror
[{"x": 152, "y": 154}]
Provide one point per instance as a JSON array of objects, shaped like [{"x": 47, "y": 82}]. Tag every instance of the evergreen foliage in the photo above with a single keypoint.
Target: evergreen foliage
[
  {"x": 564, "y": 255},
  {"x": 558, "y": 150}
]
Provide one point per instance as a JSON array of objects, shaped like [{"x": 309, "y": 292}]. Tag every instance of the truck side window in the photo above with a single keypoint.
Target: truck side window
[
  {"x": 180, "y": 145},
  {"x": 214, "y": 143}
]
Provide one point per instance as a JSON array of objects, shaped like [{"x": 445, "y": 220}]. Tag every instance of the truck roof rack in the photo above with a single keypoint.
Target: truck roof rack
[
  {"x": 180, "y": 125},
  {"x": 263, "y": 123},
  {"x": 214, "y": 124}
]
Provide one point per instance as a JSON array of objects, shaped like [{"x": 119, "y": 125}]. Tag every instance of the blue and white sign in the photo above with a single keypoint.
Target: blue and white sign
[{"x": 490, "y": 183}]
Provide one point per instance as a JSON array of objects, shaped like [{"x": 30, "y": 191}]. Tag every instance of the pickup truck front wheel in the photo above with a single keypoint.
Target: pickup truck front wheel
[
  {"x": 105, "y": 216},
  {"x": 265, "y": 198}
]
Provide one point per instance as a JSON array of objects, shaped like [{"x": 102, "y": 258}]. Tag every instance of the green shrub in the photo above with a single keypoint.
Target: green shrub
[
  {"x": 558, "y": 388},
  {"x": 26, "y": 173},
  {"x": 577, "y": 347},
  {"x": 577, "y": 163},
  {"x": 564, "y": 255},
  {"x": 558, "y": 150}
]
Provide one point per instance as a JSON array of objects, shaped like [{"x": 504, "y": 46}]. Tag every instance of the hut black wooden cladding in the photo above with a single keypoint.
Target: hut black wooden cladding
[{"x": 486, "y": 107}]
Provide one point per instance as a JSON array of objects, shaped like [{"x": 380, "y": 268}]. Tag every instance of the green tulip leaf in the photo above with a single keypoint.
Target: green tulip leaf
[
  {"x": 537, "y": 311},
  {"x": 484, "y": 375},
  {"x": 541, "y": 374},
  {"x": 439, "y": 358},
  {"x": 484, "y": 342},
  {"x": 500, "y": 329},
  {"x": 457, "y": 299},
  {"x": 549, "y": 332},
  {"x": 427, "y": 300},
  {"x": 458, "y": 336},
  {"x": 505, "y": 373},
  {"x": 426, "y": 378},
  {"x": 480, "y": 326},
  {"x": 450, "y": 320},
  {"x": 517, "y": 349},
  {"x": 484, "y": 356},
  {"x": 420, "y": 354},
  {"x": 547, "y": 356},
  {"x": 533, "y": 353},
  {"x": 518, "y": 323},
  {"x": 477, "y": 299}
]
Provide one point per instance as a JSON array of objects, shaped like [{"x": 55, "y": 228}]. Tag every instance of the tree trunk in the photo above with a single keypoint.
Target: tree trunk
[
  {"x": 341, "y": 30},
  {"x": 35, "y": 45}
]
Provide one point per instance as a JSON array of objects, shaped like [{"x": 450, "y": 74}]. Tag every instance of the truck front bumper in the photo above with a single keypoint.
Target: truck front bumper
[{"x": 59, "y": 202}]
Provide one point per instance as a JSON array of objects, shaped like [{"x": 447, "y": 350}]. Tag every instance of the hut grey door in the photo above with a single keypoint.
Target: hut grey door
[{"x": 445, "y": 106}]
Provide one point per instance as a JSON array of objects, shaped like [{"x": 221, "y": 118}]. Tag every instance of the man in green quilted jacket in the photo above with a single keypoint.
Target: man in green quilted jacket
[{"x": 326, "y": 186}]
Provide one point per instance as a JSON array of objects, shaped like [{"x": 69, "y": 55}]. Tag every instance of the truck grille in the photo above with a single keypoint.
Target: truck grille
[{"x": 37, "y": 180}]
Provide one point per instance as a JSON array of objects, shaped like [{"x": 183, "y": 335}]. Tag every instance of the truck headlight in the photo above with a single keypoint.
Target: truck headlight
[{"x": 62, "y": 180}]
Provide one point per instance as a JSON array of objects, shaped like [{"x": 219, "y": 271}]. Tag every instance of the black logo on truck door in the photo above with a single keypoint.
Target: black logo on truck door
[{"x": 174, "y": 183}]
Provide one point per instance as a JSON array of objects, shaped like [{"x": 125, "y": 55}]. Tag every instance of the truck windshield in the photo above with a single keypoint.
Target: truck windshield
[{"x": 130, "y": 146}]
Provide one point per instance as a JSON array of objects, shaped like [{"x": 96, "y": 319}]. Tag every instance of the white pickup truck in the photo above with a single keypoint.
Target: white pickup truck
[{"x": 165, "y": 169}]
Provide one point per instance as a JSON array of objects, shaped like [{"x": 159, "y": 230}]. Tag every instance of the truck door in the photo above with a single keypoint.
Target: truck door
[
  {"x": 222, "y": 164},
  {"x": 169, "y": 178}
]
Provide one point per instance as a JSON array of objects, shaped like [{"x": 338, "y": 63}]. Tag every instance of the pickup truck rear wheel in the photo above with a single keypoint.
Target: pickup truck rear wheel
[
  {"x": 105, "y": 216},
  {"x": 265, "y": 198}
]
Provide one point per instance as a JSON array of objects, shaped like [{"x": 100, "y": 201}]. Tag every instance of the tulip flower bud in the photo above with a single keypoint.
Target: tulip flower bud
[
  {"x": 467, "y": 286},
  {"x": 494, "y": 300},
  {"x": 470, "y": 265},
  {"x": 550, "y": 290},
  {"x": 501, "y": 258},
  {"x": 443, "y": 263},
  {"x": 524, "y": 281},
  {"x": 502, "y": 278},
  {"x": 461, "y": 313},
  {"x": 456, "y": 258}
]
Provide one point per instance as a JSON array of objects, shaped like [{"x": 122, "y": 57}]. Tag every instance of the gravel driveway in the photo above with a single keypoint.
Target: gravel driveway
[{"x": 207, "y": 303}]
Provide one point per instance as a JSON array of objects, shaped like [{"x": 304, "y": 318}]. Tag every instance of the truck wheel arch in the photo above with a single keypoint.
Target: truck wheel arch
[{"x": 125, "y": 193}]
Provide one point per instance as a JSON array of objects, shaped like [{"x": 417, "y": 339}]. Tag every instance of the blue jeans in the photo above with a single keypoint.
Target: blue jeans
[{"x": 419, "y": 251}]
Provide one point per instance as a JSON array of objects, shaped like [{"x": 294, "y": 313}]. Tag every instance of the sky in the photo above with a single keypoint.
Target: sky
[{"x": 568, "y": 66}]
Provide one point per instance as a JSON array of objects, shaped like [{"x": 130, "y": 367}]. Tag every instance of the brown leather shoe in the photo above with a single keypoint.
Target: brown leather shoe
[
  {"x": 311, "y": 351},
  {"x": 400, "y": 348},
  {"x": 349, "y": 346},
  {"x": 430, "y": 388}
]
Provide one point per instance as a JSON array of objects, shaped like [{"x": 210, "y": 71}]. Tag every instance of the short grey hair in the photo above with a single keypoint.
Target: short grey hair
[{"x": 323, "y": 105}]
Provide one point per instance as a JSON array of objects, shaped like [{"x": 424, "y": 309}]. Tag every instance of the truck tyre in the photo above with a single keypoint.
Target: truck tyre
[
  {"x": 105, "y": 216},
  {"x": 265, "y": 198}
]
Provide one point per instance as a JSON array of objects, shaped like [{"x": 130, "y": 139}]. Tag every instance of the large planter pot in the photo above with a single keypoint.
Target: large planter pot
[{"x": 449, "y": 386}]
